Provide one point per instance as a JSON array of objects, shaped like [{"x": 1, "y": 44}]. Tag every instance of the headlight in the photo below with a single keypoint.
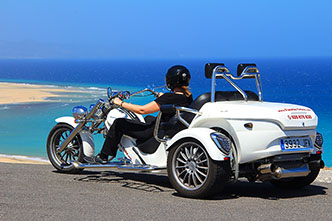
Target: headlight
[
  {"x": 319, "y": 140},
  {"x": 222, "y": 142},
  {"x": 79, "y": 112},
  {"x": 91, "y": 106}
]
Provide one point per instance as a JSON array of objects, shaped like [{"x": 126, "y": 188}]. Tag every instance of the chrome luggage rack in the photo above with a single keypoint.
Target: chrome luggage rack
[{"x": 220, "y": 71}]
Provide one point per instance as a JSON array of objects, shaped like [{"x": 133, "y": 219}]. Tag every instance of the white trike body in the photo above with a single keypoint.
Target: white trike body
[
  {"x": 271, "y": 122},
  {"x": 230, "y": 135}
]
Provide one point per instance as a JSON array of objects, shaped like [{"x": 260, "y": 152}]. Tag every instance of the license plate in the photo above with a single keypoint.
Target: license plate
[{"x": 296, "y": 144}]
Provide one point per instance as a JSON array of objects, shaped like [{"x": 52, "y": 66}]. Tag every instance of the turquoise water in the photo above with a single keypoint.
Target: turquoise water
[{"x": 24, "y": 128}]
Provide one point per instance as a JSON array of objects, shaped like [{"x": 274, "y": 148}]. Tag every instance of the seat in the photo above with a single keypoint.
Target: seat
[{"x": 222, "y": 96}]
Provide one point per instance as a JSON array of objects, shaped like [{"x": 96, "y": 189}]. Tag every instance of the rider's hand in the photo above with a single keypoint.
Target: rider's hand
[{"x": 117, "y": 101}]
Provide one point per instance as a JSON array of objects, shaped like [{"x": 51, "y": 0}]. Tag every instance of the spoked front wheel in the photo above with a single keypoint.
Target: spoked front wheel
[
  {"x": 73, "y": 151},
  {"x": 193, "y": 173}
]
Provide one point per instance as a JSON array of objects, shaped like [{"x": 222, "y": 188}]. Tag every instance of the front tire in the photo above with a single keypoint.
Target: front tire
[
  {"x": 73, "y": 152},
  {"x": 193, "y": 173}
]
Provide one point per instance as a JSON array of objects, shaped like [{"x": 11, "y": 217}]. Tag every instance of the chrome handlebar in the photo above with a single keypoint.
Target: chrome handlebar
[{"x": 126, "y": 94}]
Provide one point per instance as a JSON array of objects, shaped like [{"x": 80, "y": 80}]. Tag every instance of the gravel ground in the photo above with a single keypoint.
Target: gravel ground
[{"x": 325, "y": 176}]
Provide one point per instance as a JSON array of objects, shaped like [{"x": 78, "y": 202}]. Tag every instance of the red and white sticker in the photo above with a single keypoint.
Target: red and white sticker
[
  {"x": 294, "y": 109},
  {"x": 299, "y": 117}
]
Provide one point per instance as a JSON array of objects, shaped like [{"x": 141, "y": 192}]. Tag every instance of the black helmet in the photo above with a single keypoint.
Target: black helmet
[{"x": 177, "y": 76}]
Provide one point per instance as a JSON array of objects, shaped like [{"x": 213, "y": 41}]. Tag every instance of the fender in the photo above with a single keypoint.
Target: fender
[
  {"x": 86, "y": 136},
  {"x": 203, "y": 136}
]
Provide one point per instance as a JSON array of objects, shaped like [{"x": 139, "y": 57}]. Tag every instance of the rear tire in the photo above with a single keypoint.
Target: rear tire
[
  {"x": 297, "y": 182},
  {"x": 73, "y": 151},
  {"x": 193, "y": 173}
]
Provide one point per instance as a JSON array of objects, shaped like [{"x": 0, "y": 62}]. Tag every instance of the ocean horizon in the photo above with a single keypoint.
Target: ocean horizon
[{"x": 24, "y": 127}]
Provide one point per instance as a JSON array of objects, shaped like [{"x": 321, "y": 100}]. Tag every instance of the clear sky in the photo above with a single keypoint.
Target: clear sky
[{"x": 165, "y": 29}]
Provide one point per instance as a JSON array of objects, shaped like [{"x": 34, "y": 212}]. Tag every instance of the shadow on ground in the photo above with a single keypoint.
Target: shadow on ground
[
  {"x": 160, "y": 183},
  {"x": 140, "y": 181},
  {"x": 266, "y": 191}
]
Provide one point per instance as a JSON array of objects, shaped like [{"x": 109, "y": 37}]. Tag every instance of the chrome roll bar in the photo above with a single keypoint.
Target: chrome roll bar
[
  {"x": 185, "y": 109},
  {"x": 248, "y": 72},
  {"x": 156, "y": 129}
]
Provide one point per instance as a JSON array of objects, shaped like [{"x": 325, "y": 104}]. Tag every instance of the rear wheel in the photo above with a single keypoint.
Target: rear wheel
[
  {"x": 297, "y": 182},
  {"x": 73, "y": 151},
  {"x": 193, "y": 173}
]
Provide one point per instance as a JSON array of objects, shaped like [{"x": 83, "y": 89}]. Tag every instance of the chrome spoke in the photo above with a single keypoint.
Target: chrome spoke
[
  {"x": 184, "y": 178},
  {"x": 187, "y": 153},
  {"x": 202, "y": 161},
  {"x": 194, "y": 179},
  {"x": 183, "y": 171},
  {"x": 75, "y": 146},
  {"x": 197, "y": 176},
  {"x": 191, "y": 152},
  {"x": 180, "y": 160},
  {"x": 184, "y": 156},
  {"x": 62, "y": 137},
  {"x": 201, "y": 173},
  {"x": 189, "y": 180},
  {"x": 179, "y": 167},
  {"x": 61, "y": 156},
  {"x": 194, "y": 153},
  {"x": 199, "y": 156},
  {"x": 200, "y": 167}
]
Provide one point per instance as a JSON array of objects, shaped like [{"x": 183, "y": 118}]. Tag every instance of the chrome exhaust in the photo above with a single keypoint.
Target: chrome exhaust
[
  {"x": 265, "y": 168},
  {"x": 270, "y": 171},
  {"x": 280, "y": 173}
]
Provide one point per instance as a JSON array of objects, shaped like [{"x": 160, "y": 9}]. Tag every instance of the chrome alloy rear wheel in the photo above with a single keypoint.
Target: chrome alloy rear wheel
[
  {"x": 191, "y": 166},
  {"x": 193, "y": 173}
]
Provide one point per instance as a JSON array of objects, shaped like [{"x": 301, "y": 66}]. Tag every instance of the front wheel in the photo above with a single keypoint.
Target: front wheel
[
  {"x": 73, "y": 151},
  {"x": 193, "y": 173}
]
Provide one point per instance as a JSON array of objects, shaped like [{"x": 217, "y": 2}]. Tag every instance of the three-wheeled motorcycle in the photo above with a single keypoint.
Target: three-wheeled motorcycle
[{"x": 220, "y": 137}]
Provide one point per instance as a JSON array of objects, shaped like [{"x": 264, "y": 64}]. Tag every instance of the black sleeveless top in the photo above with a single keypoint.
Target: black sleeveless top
[{"x": 180, "y": 100}]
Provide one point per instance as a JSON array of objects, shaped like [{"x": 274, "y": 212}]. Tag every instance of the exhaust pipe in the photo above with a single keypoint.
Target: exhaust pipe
[
  {"x": 270, "y": 171},
  {"x": 266, "y": 168},
  {"x": 294, "y": 172}
]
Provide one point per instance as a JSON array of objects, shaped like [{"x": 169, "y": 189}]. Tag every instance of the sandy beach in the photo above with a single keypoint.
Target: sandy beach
[
  {"x": 13, "y": 93},
  {"x": 21, "y": 159}
]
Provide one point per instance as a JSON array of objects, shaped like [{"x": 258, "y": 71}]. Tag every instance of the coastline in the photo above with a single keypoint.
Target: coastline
[
  {"x": 18, "y": 159},
  {"x": 16, "y": 93}
]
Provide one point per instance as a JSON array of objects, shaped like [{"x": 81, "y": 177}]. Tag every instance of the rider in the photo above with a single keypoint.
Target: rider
[{"x": 177, "y": 80}]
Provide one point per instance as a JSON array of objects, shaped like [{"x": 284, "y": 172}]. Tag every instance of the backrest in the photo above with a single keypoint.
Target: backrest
[{"x": 221, "y": 96}]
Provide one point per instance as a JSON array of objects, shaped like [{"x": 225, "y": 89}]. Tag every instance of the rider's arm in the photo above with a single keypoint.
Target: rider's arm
[{"x": 139, "y": 109}]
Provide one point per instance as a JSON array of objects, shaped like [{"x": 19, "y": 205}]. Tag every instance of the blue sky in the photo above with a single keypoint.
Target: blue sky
[{"x": 165, "y": 29}]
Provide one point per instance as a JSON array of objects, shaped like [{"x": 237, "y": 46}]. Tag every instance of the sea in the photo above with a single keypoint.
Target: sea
[{"x": 24, "y": 127}]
